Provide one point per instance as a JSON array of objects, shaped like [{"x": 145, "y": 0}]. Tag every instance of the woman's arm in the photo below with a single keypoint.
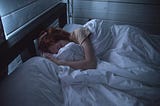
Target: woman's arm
[{"x": 88, "y": 63}]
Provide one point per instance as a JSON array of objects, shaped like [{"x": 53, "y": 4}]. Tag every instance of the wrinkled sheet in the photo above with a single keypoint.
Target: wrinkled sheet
[
  {"x": 128, "y": 75},
  {"x": 34, "y": 83}
]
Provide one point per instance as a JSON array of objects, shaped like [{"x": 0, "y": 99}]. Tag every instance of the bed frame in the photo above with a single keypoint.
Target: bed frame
[{"x": 24, "y": 39}]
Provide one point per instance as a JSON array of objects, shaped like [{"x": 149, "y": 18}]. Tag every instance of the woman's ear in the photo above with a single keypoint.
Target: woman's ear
[{"x": 51, "y": 30}]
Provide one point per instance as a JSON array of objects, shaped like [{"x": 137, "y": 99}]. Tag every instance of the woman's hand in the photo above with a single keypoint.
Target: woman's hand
[{"x": 50, "y": 57}]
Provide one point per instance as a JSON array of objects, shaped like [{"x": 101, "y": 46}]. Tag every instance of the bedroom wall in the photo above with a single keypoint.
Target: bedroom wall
[
  {"x": 16, "y": 14},
  {"x": 141, "y": 13}
]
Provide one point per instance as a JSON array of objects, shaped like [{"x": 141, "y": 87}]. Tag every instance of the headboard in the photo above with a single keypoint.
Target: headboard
[{"x": 24, "y": 39}]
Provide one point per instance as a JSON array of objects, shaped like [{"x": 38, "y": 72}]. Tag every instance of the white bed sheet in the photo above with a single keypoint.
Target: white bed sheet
[
  {"x": 125, "y": 77},
  {"x": 128, "y": 75},
  {"x": 34, "y": 83}
]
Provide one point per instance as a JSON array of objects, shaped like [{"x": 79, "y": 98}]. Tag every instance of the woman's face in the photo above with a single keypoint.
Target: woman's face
[{"x": 54, "y": 48}]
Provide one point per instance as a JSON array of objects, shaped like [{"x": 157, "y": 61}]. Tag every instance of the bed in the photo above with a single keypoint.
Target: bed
[{"x": 127, "y": 73}]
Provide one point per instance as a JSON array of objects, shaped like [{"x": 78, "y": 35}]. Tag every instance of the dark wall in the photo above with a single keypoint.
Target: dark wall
[{"x": 142, "y": 13}]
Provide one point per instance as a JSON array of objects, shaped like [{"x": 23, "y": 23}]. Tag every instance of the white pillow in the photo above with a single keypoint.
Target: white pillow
[{"x": 71, "y": 27}]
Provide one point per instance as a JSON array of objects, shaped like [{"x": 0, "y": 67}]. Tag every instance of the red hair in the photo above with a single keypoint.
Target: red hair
[{"x": 52, "y": 36}]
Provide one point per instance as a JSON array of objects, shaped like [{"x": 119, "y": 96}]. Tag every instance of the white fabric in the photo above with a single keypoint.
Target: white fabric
[
  {"x": 34, "y": 83},
  {"x": 71, "y": 27},
  {"x": 128, "y": 75},
  {"x": 70, "y": 52},
  {"x": 101, "y": 37},
  {"x": 132, "y": 44}
]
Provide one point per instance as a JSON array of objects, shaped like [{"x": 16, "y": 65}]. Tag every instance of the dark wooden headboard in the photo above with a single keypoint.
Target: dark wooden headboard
[{"x": 24, "y": 39}]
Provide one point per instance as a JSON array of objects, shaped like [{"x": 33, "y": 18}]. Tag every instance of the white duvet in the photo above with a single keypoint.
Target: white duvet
[{"x": 128, "y": 73}]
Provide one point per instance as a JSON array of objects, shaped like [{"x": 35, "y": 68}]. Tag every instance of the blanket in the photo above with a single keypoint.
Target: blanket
[{"x": 127, "y": 73}]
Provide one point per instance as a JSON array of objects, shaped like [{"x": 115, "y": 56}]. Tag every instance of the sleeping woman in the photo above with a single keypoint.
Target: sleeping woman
[{"x": 55, "y": 38}]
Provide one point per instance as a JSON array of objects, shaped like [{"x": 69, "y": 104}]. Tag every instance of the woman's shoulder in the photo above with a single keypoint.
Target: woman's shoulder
[{"x": 80, "y": 34}]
